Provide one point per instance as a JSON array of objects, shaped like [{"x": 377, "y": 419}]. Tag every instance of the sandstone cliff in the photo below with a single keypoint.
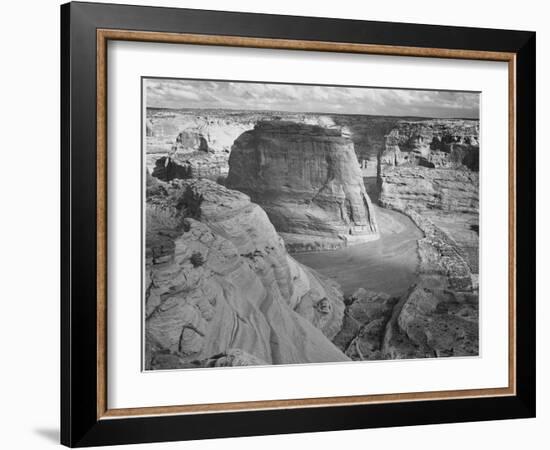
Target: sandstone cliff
[
  {"x": 189, "y": 131},
  {"x": 428, "y": 190},
  {"x": 221, "y": 289},
  {"x": 414, "y": 176},
  {"x": 428, "y": 171},
  {"x": 445, "y": 143},
  {"x": 198, "y": 164},
  {"x": 196, "y": 143},
  {"x": 307, "y": 179}
]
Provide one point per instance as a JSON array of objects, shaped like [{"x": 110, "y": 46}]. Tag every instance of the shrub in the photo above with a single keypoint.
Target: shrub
[{"x": 197, "y": 259}]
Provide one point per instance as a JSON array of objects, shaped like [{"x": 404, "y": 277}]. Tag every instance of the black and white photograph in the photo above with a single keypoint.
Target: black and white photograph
[
  {"x": 275, "y": 225},
  {"x": 295, "y": 224}
]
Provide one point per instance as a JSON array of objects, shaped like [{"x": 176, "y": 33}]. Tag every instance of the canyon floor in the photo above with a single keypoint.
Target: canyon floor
[{"x": 389, "y": 264}]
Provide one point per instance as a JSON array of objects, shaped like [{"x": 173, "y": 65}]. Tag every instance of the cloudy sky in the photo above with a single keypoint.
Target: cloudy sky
[{"x": 170, "y": 93}]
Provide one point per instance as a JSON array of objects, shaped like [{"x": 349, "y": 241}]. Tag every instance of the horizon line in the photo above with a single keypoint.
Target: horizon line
[{"x": 311, "y": 112}]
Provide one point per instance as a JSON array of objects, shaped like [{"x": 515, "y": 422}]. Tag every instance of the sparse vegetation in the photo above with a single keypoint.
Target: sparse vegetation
[{"x": 197, "y": 259}]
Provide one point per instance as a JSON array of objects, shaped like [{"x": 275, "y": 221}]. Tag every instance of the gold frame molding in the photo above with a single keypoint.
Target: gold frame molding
[{"x": 103, "y": 36}]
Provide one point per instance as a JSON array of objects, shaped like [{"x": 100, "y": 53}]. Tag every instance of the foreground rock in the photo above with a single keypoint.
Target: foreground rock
[
  {"x": 219, "y": 280},
  {"x": 365, "y": 321},
  {"x": 307, "y": 179},
  {"x": 433, "y": 323},
  {"x": 165, "y": 360}
]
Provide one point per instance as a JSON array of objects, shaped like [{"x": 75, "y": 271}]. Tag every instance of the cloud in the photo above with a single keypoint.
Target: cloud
[{"x": 172, "y": 93}]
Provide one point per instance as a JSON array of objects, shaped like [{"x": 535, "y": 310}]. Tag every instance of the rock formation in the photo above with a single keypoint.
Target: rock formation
[
  {"x": 197, "y": 164},
  {"x": 190, "y": 131},
  {"x": 221, "y": 288},
  {"x": 444, "y": 189},
  {"x": 428, "y": 171},
  {"x": 424, "y": 189},
  {"x": 307, "y": 179},
  {"x": 187, "y": 145},
  {"x": 196, "y": 143},
  {"x": 451, "y": 143},
  {"x": 439, "y": 316},
  {"x": 367, "y": 315},
  {"x": 369, "y": 137}
]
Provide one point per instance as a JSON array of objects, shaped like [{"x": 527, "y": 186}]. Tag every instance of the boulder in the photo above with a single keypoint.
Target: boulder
[{"x": 365, "y": 319}]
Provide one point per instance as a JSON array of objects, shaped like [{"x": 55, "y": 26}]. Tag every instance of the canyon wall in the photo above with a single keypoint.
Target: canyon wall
[
  {"x": 439, "y": 143},
  {"x": 191, "y": 143},
  {"x": 428, "y": 171},
  {"x": 307, "y": 179},
  {"x": 432, "y": 167},
  {"x": 221, "y": 288},
  {"x": 196, "y": 143}
]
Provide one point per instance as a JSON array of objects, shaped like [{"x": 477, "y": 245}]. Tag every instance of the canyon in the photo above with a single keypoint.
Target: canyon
[{"x": 281, "y": 238}]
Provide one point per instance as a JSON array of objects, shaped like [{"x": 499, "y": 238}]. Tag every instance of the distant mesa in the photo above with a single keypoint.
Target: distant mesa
[
  {"x": 189, "y": 142},
  {"x": 191, "y": 146},
  {"x": 307, "y": 178},
  {"x": 191, "y": 156}
]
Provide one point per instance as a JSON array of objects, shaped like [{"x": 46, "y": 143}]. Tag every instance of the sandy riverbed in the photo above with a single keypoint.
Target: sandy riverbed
[{"x": 388, "y": 264}]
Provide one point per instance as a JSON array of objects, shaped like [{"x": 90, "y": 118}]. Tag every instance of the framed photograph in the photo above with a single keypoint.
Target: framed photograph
[{"x": 277, "y": 224}]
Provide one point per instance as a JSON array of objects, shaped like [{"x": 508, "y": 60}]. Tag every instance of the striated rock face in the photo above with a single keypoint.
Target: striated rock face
[
  {"x": 308, "y": 181},
  {"x": 432, "y": 180},
  {"x": 424, "y": 189},
  {"x": 221, "y": 288},
  {"x": 428, "y": 171},
  {"x": 190, "y": 145},
  {"x": 369, "y": 140},
  {"x": 451, "y": 143},
  {"x": 170, "y": 131},
  {"x": 191, "y": 165},
  {"x": 196, "y": 143}
]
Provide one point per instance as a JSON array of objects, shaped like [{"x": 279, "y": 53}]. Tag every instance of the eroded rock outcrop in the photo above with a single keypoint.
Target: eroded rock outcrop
[
  {"x": 191, "y": 165},
  {"x": 196, "y": 143},
  {"x": 219, "y": 279},
  {"x": 367, "y": 315},
  {"x": 190, "y": 131},
  {"x": 440, "y": 314},
  {"x": 433, "y": 323},
  {"x": 428, "y": 171},
  {"x": 445, "y": 143},
  {"x": 307, "y": 179},
  {"x": 445, "y": 191},
  {"x": 425, "y": 189},
  {"x": 187, "y": 145}
]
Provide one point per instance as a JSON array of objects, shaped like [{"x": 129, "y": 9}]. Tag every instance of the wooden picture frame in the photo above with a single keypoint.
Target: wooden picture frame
[{"x": 86, "y": 418}]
